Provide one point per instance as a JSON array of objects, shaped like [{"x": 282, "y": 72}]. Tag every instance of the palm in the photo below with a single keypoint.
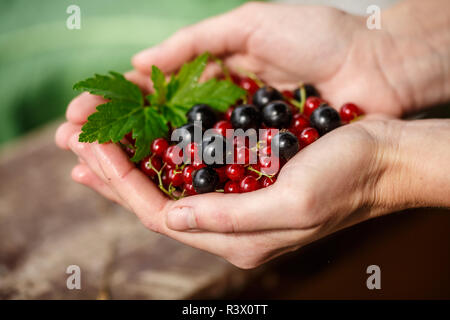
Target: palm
[
  {"x": 331, "y": 169},
  {"x": 320, "y": 45}
]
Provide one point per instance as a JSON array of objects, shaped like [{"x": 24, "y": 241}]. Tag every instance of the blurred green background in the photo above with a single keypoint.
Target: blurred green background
[{"x": 40, "y": 58}]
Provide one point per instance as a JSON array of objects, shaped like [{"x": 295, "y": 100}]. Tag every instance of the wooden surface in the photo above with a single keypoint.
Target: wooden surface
[
  {"x": 412, "y": 249},
  {"x": 48, "y": 222}
]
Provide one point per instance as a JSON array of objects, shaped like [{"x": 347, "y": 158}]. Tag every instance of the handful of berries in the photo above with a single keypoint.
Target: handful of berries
[{"x": 243, "y": 149}]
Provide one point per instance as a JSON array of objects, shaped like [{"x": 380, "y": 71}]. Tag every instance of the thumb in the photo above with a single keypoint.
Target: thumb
[{"x": 264, "y": 209}]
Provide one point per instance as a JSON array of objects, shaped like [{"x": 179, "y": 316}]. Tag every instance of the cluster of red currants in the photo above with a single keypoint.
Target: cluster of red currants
[{"x": 220, "y": 160}]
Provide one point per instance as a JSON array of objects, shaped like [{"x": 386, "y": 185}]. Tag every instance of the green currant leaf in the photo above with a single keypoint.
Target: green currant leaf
[
  {"x": 160, "y": 87},
  {"x": 110, "y": 122},
  {"x": 149, "y": 125},
  {"x": 113, "y": 86}
]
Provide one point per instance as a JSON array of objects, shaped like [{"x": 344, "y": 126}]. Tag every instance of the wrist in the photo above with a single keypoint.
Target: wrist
[
  {"x": 416, "y": 52},
  {"x": 412, "y": 166}
]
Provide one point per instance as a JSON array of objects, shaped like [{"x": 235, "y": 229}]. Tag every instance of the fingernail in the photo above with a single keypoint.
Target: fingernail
[{"x": 181, "y": 219}]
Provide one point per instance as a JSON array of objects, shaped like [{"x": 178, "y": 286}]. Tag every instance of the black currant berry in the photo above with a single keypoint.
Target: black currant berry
[
  {"x": 285, "y": 145},
  {"x": 246, "y": 116},
  {"x": 212, "y": 144},
  {"x": 205, "y": 180},
  {"x": 277, "y": 114},
  {"x": 264, "y": 95},
  {"x": 310, "y": 91},
  {"x": 325, "y": 119},
  {"x": 203, "y": 113}
]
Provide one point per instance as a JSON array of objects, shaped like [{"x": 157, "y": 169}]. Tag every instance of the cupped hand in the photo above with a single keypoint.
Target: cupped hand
[{"x": 327, "y": 186}]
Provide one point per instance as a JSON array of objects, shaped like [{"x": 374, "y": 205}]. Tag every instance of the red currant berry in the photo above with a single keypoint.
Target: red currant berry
[
  {"x": 235, "y": 172},
  {"x": 248, "y": 183},
  {"x": 221, "y": 171},
  {"x": 165, "y": 178},
  {"x": 253, "y": 170},
  {"x": 288, "y": 94},
  {"x": 173, "y": 156},
  {"x": 242, "y": 155},
  {"x": 175, "y": 177},
  {"x": 269, "y": 165},
  {"x": 228, "y": 113},
  {"x": 189, "y": 189},
  {"x": 188, "y": 171},
  {"x": 159, "y": 146},
  {"x": 222, "y": 126},
  {"x": 265, "y": 151},
  {"x": 191, "y": 153},
  {"x": 249, "y": 85},
  {"x": 243, "y": 141},
  {"x": 266, "y": 135},
  {"x": 294, "y": 109},
  {"x": 231, "y": 187},
  {"x": 311, "y": 104},
  {"x": 299, "y": 122},
  {"x": 150, "y": 164},
  {"x": 197, "y": 164},
  {"x": 129, "y": 137},
  {"x": 350, "y": 111},
  {"x": 129, "y": 151},
  {"x": 235, "y": 78},
  {"x": 308, "y": 136},
  {"x": 266, "y": 181}
]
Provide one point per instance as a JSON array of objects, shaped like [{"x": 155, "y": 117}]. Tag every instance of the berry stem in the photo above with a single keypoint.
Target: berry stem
[
  {"x": 260, "y": 174},
  {"x": 251, "y": 75},
  {"x": 160, "y": 184},
  {"x": 303, "y": 95},
  {"x": 357, "y": 118},
  {"x": 300, "y": 105},
  {"x": 222, "y": 66}
]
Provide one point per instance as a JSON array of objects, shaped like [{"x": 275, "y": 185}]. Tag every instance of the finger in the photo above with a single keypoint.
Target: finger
[
  {"x": 135, "y": 188},
  {"x": 143, "y": 81},
  {"x": 81, "y": 173},
  {"x": 212, "y": 70},
  {"x": 271, "y": 74},
  {"x": 265, "y": 209},
  {"x": 83, "y": 150},
  {"x": 67, "y": 136},
  {"x": 378, "y": 116},
  {"x": 82, "y": 106},
  {"x": 219, "y": 35},
  {"x": 246, "y": 250},
  {"x": 63, "y": 134}
]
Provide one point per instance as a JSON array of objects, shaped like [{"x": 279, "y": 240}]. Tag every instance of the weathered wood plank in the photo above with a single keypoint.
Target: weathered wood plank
[{"x": 48, "y": 222}]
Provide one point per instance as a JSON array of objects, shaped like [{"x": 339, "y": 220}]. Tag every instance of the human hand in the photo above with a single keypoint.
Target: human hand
[
  {"x": 286, "y": 44},
  {"x": 327, "y": 186},
  {"x": 343, "y": 178}
]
